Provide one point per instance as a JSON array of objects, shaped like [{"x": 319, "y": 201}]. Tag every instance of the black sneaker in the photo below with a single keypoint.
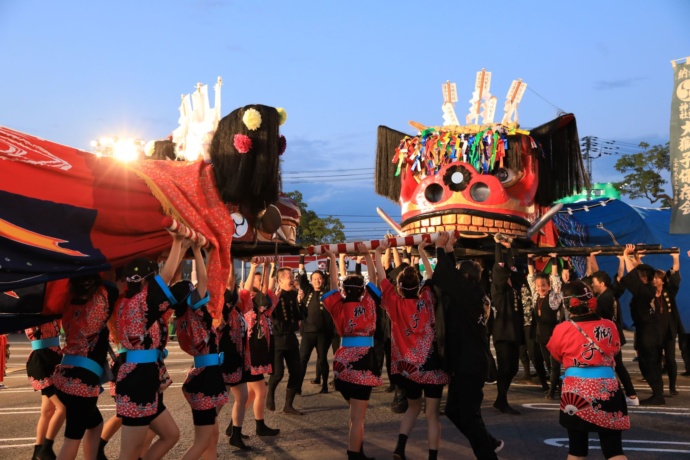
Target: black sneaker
[
  {"x": 505, "y": 409},
  {"x": 228, "y": 432},
  {"x": 653, "y": 401}
]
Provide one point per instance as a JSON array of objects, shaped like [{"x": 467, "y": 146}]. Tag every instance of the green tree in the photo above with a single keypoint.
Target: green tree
[
  {"x": 313, "y": 229},
  {"x": 643, "y": 173}
]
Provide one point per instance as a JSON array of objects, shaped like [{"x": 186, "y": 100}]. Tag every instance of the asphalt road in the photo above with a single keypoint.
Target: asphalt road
[{"x": 656, "y": 433}]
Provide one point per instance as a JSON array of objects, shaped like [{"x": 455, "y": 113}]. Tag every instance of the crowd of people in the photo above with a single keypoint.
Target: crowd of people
[{"x": 432, "y": 327}]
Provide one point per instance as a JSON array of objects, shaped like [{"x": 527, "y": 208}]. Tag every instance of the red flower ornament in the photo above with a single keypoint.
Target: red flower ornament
[{"x": 242, "y": 143}]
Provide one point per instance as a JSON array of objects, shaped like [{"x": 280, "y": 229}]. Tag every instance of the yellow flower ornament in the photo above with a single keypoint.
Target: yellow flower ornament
[{"x": 252, "y": 119}]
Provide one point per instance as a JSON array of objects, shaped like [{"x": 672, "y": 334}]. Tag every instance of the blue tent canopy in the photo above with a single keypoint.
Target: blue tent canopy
[{"x": 610, "y": 222}]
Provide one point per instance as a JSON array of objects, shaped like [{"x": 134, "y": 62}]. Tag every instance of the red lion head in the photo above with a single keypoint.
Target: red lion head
[{"x": 478, "y": 180}]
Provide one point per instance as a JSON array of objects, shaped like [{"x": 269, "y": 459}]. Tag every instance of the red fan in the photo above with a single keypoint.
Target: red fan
[
  {"x": 406, "y": 369},
  {"x": 338, "y": 367},
  {"x": 571, "y": 403}
]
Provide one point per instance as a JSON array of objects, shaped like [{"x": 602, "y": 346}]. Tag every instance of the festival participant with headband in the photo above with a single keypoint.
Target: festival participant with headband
[
  {"x": 354, "y": 365},
  {"x": 644, "y": 310},
  {"x": 142, "y": 328},
  {"x": 466, "y": 310},
  {"x": 233, "y": 342},
  {"x": 508, "y": 330},
  {"x": 666, "y": 286},
  {"x": 78, "y": 378},
  {"x": 416, "y": 363},
  {"x": 40, "y": 366},
  {"x": 258, "y": 352},
  {"x": 591, "y": 398},
  {"x": 547, "y": 301},
  {"x": 286, "y": 317},
  {"x": 608, "y": 307},
  {"x": 317, "y": 326},
  {"x": 112, "y": 426},
  {"x": 203, "y": 386}
]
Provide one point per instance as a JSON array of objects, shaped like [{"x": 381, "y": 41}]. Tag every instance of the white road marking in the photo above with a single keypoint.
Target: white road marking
[
  {"x": 593, "y": 444},
  {"x": 653, "y": 410},
  {"x": 14, "y": 440}
]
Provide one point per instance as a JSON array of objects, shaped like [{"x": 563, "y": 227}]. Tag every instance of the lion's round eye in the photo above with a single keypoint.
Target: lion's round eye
[
  {"x": 433, "y": 193},
  {"x": 504, "y": 174},
  {"x": 457, "y": 178},
  {"x": 507, "y": 176}
]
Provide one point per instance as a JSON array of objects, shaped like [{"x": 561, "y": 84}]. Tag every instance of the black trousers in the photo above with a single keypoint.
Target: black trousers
[
  {"x": 684, "y": 345},
  {"x": 555, "y": 376},
  {"x": 507, "y": 364},
  {"x": 291, "y": 359},
  {"x": 335, "y": 344},
  {"x": 463, "y": 408},
  {"x": 387, "y": 350},
  {"x": 669, "y": 349},
  {"x": 624, "y": 376},
  {"x": 321, "y": 342},
  {"x": 382, "y": 352},
  {"x": 538, "y": 362},
  {"x": 648, "y": 348}
]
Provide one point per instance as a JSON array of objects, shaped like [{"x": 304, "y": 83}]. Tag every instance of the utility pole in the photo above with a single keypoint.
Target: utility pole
[
  {"x": 593, "y": 148},
  {"x": 588, "y": 163}
]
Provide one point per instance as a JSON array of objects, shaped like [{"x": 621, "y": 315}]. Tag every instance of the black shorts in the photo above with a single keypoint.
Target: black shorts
[
  {"x": 248, "y": 377},
  {"x": 49, "y": 391},
  {"x": 145, "y": 421},
  {"x": 81, "y": 414},
  {"x": 255, "y": 378},
  {"x": 204, "y": 417},
  {"x": 353, "y": 390},
  {"x": 610, "y": 442},
  {"x": 413, "y": 390}
]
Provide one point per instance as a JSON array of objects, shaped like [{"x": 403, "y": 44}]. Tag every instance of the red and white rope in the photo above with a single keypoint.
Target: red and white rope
[
  {"x": 350, "y": 248},
  {"x": 178, "y": 227}
]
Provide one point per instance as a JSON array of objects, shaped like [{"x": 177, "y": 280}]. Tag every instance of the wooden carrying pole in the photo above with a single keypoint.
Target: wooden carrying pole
[
  {"x": 414, "y": 240},
  {"x": 570, "y": 251}
]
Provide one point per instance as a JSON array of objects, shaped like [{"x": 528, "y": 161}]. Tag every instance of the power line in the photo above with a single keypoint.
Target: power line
[
  {"x": 327, "y": 170},
  {"x": 366, "y": 230},
  {"x": 322, "y": 182},
  {"x": 621, "y": 143},
  {"x": 354, "y": 222},
  {"x": 560, "y": 110},
  {"x": 312, "y": 176},
  {"x": 354, "y": 215},
  {"x": 327, "y": 181}
]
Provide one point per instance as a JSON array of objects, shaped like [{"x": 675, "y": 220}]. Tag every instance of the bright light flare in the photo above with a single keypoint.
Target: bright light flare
[
  {"x": 123, "y": 149},
  {"x": 126, "y": 150}
]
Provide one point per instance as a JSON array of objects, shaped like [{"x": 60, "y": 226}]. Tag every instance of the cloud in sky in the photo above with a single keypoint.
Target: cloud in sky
[
  {"x": 343, "y": 152},
  {"x": 602, "y": 85}
]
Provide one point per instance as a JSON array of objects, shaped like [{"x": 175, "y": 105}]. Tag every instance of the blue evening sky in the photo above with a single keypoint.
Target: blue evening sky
[{"x": 74, "y": 71}]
